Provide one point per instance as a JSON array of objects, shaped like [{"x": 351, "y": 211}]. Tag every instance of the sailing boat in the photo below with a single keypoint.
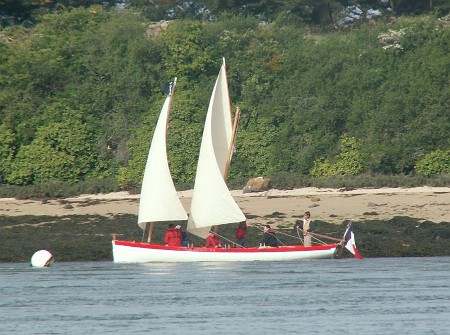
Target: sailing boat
[{"x": 212, "y": 203}]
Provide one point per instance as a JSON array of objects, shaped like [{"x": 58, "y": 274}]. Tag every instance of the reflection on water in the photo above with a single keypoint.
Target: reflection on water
[{"x": 372, "y": 296}]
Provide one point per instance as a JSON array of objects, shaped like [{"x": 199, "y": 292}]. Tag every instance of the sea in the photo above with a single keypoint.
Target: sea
[{"x": 346, "y": 296}]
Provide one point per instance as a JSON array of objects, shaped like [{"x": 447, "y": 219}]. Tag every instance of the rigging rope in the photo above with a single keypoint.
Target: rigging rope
[
  {"x": 232, "y": 242},
  {"x": 258, "y": 225}
]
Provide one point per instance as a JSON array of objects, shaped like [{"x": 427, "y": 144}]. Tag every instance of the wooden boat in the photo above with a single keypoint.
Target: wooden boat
[
  {"x": 212, "y": 203},
  {"x": 126, "y": 251}
]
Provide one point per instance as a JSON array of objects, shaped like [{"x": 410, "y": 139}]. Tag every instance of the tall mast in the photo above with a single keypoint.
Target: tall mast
[
  {"x": 233, "y": 140},
  {"x": 171, "y": 91}
]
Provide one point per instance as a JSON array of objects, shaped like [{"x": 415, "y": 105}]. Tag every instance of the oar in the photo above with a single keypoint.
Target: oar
[
  {"x": 232, "y": 242},
  {"x": 298, "y": 232},
  {"x": 325, "y": 236},
  {"x": 258, "y": 225}
]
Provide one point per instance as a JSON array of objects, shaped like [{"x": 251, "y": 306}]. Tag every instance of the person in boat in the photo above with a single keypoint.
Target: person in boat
[
  {"x": 306, "y": 229},
  {"x": 241, "y": 233},
  {"x": 184, "y": 236},
  {"x": 173, "y": 236},
  {"x": 269, "y": 239},
  {"x": 213, "y": 241}
]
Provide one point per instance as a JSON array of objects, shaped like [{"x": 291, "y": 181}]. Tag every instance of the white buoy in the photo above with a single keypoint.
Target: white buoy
[{"x": 41, "y": 258}]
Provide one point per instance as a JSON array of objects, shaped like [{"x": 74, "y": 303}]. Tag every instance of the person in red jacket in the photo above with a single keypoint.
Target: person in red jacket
[
  {"x": 173, "y": 236},
  {"x": 241, "y": 233},
  {"x": 213, "y": 241}
]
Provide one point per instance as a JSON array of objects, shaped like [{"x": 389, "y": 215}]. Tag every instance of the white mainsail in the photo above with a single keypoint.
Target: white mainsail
[
  {"x": 159, "y": 200},
  {"x": 212, "y": 203}
]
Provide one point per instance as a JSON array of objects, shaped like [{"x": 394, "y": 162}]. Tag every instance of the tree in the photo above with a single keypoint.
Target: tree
[
  {"x": 348, "y": 161},
  {"x": 63, "y": 150},
  {"x": 6, "y": 151},
  {"x": 187, "y": 54}
]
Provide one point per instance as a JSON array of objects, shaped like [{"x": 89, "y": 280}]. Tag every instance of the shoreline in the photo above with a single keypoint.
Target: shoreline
[
  {"x": 272, "y": 206},
  {"x": 388, "y": 222}
]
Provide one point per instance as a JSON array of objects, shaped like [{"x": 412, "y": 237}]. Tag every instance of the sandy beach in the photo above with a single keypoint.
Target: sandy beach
[{"x": 331, "y": 205}]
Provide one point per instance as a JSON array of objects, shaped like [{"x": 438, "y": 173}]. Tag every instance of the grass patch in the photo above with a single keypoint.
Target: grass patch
[{"x": 281, "y": 180}]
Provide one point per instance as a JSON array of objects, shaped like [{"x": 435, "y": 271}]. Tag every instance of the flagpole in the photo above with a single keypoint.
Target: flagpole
[{"x": 342, "y": 241}]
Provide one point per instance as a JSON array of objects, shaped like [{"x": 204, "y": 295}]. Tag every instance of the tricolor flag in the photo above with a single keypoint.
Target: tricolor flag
[{"x": 350, "y": 244}]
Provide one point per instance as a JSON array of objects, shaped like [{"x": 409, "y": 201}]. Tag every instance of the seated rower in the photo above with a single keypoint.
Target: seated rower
[
  {"x": 269, "y": 239},
  {"x": 172, "y": 237},
  {"x": 213, "y": 241}
]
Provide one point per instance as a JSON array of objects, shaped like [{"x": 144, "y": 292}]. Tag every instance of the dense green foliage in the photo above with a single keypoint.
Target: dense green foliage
[
  {"x": 347, "y": 162},
  {"x": 80, "y": 94},
  {"x": 436, "y": 162},
  {"x": 300, "y": 11}
]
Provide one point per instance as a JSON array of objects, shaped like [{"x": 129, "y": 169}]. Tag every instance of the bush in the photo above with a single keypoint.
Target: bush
[
  {"x": 348, "y": 162},
  {"x": 435, "y": 162}
]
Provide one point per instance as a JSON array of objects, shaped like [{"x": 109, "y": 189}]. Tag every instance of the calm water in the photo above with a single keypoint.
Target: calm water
[{"x": 372, "y": 296}]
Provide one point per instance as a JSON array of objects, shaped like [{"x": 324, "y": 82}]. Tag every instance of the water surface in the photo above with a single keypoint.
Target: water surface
[{"x": 372, "y": 296}]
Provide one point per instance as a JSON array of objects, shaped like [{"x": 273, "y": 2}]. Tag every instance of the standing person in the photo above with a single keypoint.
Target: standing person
[
  {"x": 173, "y": 236},
  {"x": 269, "y": 239},
  {"x": 213, "y": 241},
  {"x": 241, "y": 233},
  {"x": 306, "y": 229},
  {"x": 184, "y": 236}
]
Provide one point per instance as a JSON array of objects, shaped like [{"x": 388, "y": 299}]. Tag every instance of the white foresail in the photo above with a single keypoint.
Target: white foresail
[
  {"x": 159, "y": 200},
  {"x": 212, "y": 203}
]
